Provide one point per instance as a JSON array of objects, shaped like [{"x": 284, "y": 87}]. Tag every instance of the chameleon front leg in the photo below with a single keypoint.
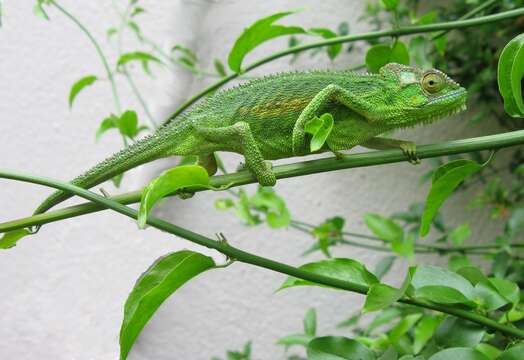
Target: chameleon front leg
[
  {"x": 329, "y": 93},
  {"x": 408, "y": 147},
  {"x": 239, "y": 136}
]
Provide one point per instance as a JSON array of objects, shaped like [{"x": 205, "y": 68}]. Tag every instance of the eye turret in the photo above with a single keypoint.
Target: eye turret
[{"x": 433, "y": 82}]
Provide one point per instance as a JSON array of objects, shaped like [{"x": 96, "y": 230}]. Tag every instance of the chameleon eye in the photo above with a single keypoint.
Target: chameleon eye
[{"x": 432, "y": 83}]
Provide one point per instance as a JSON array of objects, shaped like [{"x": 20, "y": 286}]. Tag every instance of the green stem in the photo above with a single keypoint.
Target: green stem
[
  {"x": 371, "y": 158},
  {"x": 451, "y": 25},
  {"x": 248, "y": 258},
  {"x": 103, "y": 58},
  {"x": 124, "y": 68}
]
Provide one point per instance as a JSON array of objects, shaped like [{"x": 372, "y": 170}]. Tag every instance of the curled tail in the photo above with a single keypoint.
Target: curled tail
[{"x": 161, "y": 144}]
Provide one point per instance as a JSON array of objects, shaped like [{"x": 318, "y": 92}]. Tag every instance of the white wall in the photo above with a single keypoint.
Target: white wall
[{"x": 62, "y": 291}]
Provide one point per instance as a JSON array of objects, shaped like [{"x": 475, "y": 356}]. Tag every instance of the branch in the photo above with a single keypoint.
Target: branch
[
  {"x": 446, "y": 26},
  {"x": 489, "y": 142},
  {"x": 256, "y": 260}
]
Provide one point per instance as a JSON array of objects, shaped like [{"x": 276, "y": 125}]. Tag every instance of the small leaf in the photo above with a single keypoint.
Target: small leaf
[
  {"x": 509, "y": 75},
  {"x": 460, "y": 234},
  {"x": 377, "y": 56},
  {"x": 127, "y": 123},
  {"x": 162, "y": 279},
  {"x": 168, "y": 182},
  {"x": 137, "y": 56},
  {"x": 243, "y": 210},
  {"x": 295, "y": 339},
  {"x": 405, "y": 324},
  {"x": 109, "y": 122},
  {"x": 338, "y": 268},
  {"x": 384, "y": 228},
  {"x": 514, "y": 353},
  {"x": 320, "y": 128},
  {"x": 332, "y": 50},
  {"x": 219, "y": 67},
  {"x": 39, "y": 11},
  {"x": 224, "y": 204},
  {"x": 459, "y": 354},
  {"x": 381, "y": 296},
  {"x": 310, "y": 322},
  {"x": 455, "y": 332},
  {"x": 390, "y": 4},
  {"x": 338, "y": 348},
  {"x": 418, "y": 48},
  {"x": 10, "y": 238},
  {"x": 258, "y": 33},
  {"x": 79, "y": 86},
  {"x": 399, "y": 53},
  {"x": 423, "y": 332},
  {"x": 383, "y": 266},
  {"x": 277, "y": 214},
  {"x": 445, "y": 180}
]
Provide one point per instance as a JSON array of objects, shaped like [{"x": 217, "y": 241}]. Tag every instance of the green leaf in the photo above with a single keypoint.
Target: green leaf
[
  {"x": 390, "y": 4},
  {"x": 219, "y": 67},
  {"x": 489, "y": 297},
  {"x": 164, "y": 277},
  {"x": 243, "y": 211},
  {"x": 295, "y": 339},
  {"x": 384, "y": 228},
  {"x": 377, "y": 56},
  {"x": 455, "y": 332},
  {"x": 332, "y": 50},
  {"x": 508, "y": 289},
  {"x": 489, "y": 350},
  {"x": 456, "y": 262},
  {"x": 10, "y": 238},
  {"x": 460, "y": 234},
  {"x": 109, "y": 122},
  {"x": 459, "y": 354},
  {"x": 320, "y": 128},
  {"x": 342, "y": 269},
  {"x": 39, "y": 10},
  {"x": 441, "y": 285},
  {"x": 383, "y": 266},
  {"x": 405, "y": 324},
  {"x": 509, "y": 75},
  {"x": 418, "y": 48},
  {"x": 380, "y": 296},
  {"x": 405, "y": 247},
  {"x": 277, "y": 214},
  {"x": 381, "y": 54},
  {"x": 258, "y": 33},
  {"x": 338, "y": 348},
  {"x": 224, "y": 204},
  {"x": 137, "y": 56},
  {"x": 310, "y": 322},
  {"x": 423, "y": 332},
  {"x": 79, "y": 86},
  {"x": 127, "y": 123},
  {"x": 513, "y": 353},
  {"x": 445, "y": 181},
  {"x": 168, "y": 182}
]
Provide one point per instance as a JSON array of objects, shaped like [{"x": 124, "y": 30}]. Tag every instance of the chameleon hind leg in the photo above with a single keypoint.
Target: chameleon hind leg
[
  {"x": 408, "y": 147},
  {"x": 240, "y": 137},
  {"x": 329, "y": 93}
]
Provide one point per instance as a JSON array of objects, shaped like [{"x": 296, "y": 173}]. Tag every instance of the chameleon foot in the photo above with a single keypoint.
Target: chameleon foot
[
  {"x": 409, "y": 149},
  {"x": 266, "y": 177}
]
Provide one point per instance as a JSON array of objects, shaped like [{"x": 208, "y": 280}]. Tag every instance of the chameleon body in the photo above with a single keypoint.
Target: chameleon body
[{"x": 265, "y": 118}]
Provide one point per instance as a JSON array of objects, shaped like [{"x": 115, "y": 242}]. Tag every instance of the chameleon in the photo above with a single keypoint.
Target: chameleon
[{"x": 265, "y": 119}]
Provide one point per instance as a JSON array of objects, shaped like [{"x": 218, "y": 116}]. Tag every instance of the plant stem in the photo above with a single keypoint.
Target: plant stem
[
  {"x": 371, "y": 158},
  {"x": 248, "y": 258},
  {"x": 451, "y": 25},
  {"x": 109, "y": 72},
  {"x": 124, "y": 68}
]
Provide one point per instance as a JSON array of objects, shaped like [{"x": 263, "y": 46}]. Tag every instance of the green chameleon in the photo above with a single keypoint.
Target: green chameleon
[{"x": 265, "y": 118}]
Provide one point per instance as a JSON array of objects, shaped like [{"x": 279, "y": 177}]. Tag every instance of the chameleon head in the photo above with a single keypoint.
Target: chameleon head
[{"x": 419, "y": 96}]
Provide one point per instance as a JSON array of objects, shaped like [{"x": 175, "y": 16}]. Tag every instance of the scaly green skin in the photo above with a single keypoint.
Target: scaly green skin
[{"x": 264, "y": 120}]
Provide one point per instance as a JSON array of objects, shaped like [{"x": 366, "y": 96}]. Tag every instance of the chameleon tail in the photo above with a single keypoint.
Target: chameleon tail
[{"x": 161, "y": 144}]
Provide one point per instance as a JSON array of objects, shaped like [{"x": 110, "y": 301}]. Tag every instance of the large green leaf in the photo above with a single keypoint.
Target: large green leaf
[
  {"x": 459, "y": 354},
  {"x": 9, "y": 239},
  {"x": 381, "y": 54},
  {"x": 445, "y": 180},
  {"x": 168, "y": 182},
  {"x": 509, "y": 75},
  {"x": 424, "y": 331},
  {"x": 164, "y": 277},
  {"x": 455, "y": 332},
  {"x": 79, "y": 86},
  {"x": 342, "y": 269},
  {"x": 513, "y": 353},
  {"x": 258, "y": 33},
  {"x": 338, "y": 348}
]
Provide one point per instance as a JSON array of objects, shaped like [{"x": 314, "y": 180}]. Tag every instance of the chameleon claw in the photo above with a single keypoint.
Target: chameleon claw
[{"x": 409, "y": 149}]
